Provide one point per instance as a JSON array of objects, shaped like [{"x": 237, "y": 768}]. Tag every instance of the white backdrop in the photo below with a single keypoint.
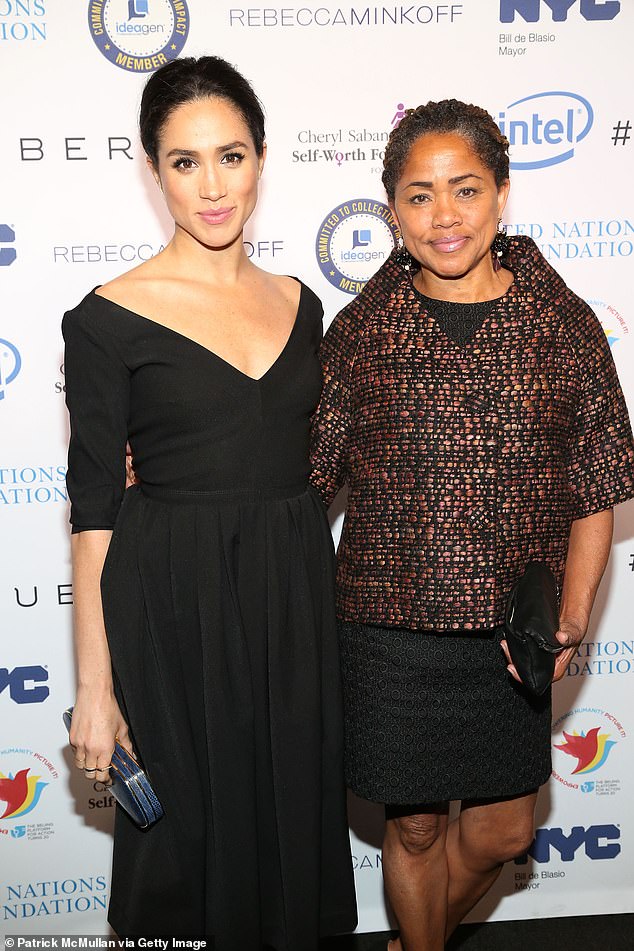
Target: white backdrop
[{"x": 77, "y": 207}]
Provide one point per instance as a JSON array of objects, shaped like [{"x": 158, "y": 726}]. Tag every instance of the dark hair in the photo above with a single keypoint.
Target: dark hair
[
  {"x": 188, "y": 79},
  {"x": 449, "y": 115}
]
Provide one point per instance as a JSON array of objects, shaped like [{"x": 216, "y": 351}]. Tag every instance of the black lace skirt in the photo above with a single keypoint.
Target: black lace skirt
[{"x": 436, "y": 716}]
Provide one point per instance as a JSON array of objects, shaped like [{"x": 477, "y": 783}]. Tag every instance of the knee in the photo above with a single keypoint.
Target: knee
[
  {"x": 509, "y": 844},
  {"x": 417, "y": 834}
]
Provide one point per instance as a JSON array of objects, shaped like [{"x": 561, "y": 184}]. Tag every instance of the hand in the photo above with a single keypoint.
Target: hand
[
  {"x": 97, "y": 721},
  {"x": 570, "y": 636},
  {"x": 510, "y": 666},
  {"x": 130, "y": 474}
]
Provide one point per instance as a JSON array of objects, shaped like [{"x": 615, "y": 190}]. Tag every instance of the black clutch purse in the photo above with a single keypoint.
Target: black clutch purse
[
  {"x": 129, "y": 784},
  {"x": 531, "y": 622}
]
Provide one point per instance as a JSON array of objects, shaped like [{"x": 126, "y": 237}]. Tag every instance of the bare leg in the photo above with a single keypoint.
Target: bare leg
[
  {"x": 416, "y": 878},
  {"x": 479, "y": 842}
]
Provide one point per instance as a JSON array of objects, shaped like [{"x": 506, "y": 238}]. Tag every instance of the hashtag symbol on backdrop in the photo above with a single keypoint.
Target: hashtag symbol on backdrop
[{"x": 622, "y": 132}]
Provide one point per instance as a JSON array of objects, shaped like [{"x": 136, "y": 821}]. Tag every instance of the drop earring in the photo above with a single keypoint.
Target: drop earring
[
  {"x": 402, "y": 256},
  {"x": 500, "y": 245}
]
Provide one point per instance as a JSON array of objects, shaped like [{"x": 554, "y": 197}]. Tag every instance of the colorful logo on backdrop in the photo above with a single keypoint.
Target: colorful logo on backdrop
[
  {"x": 544, "y": 128},
  {"x": 613, "y": 323},
  {"x": 353, "y": 241},
  {"x": 583, "y": 751},
  {"x": 7, "y": 237},
  {"x": 139, "y": 35},
  {"x": 10, "y": 365},
  {"x": 25, "y": 776},
  {"x": 557, "y": 10}
]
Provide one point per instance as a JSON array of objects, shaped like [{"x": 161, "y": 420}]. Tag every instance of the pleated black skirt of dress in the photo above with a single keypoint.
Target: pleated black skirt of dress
[{"x": 223, "y": 636}]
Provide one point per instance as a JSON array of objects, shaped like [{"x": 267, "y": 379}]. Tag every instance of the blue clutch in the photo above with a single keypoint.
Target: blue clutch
[{"x": 130, "y": 786}]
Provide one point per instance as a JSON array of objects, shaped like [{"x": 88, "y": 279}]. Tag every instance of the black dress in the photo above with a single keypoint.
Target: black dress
[{"x": 219, "y": 610}]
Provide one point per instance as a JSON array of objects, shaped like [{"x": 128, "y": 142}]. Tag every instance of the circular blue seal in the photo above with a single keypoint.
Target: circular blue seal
[
  {"x": 139, "y": 35},
  {"x": 353, "y": 241},
  {"x": 10, "y": 364}
]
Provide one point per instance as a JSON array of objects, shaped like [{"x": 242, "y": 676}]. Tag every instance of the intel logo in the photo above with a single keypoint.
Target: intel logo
[{"x": 543, "y": 129}]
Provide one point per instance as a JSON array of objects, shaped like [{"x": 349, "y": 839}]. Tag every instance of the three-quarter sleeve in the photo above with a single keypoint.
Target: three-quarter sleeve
[
  {"x": 331, "y": 423},
  {"x": 601, "y": 466},
  {"x": 97, "y": 396}
]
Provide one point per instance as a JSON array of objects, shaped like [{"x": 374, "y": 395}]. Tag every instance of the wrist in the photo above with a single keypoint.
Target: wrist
[
  {"x": 101, "y": 691},
  {"x": 580, "y": 624}
]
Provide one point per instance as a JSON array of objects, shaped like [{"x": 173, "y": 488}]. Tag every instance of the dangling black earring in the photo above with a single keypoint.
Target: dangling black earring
[
  {"x": 500, "y": 243},
  {"x": 402, "y": 256}
]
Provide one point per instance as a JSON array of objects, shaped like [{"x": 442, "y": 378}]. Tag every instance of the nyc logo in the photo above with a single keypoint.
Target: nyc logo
[
  {"x": 530, "y": 10},
  {"x": 26, "y": 684}
]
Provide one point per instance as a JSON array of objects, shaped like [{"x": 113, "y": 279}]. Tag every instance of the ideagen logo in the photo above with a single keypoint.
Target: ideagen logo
[
  {"x": 530, "y": 10},
  {"x": 25, "y": 683},
  {"x": 598, "y": 842},
  {"x": 139, "y": 35},
  {"x": 7, "y": 236},
  {"x": 353, "y": 240},
  {"x": 544, "y": 128},
  {"x": 10, "y": 364}
]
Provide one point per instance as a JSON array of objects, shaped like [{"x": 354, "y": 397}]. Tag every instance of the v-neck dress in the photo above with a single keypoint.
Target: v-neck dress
[{"x": 218, "y": 598}]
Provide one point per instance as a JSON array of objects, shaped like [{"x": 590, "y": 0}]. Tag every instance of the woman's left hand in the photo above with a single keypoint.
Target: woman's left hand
[
  {"x": 130, "y": 474},
  {"x": 569, "y": 635}
]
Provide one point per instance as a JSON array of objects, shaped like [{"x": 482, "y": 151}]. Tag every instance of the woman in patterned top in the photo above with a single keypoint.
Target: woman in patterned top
[{"x": 472, "y": 406}]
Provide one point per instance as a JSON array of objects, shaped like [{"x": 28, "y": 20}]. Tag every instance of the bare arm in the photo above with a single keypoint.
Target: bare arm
[
  {"x": 588, "y": 552},
  {"x": 96, "y": 717}
]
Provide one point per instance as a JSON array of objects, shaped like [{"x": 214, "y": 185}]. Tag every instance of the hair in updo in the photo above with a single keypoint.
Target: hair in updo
[
  {"x": 187, "y": 80},
  {"x": 450, "y": 115}
]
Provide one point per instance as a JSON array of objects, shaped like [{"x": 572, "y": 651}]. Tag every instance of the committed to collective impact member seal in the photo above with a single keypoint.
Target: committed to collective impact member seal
[
  {"x": 139, "y": 35},
  {"x": 353, "y": 241}
]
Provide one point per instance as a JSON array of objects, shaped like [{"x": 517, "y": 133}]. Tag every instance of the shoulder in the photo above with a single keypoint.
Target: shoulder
[
  {"x": 293, "y": 291},
  {"x": 95, "y": 323},
  {"x": 540, "y": 277},
  {"x": 84, "y": 317},
  {"x": 355, "y": 317},
  {"x": 580, "y": 325},
  {"x": 310, "y": 300},
  {"x": 122, "y": 291},
  {"x": 136, "y": 289}
]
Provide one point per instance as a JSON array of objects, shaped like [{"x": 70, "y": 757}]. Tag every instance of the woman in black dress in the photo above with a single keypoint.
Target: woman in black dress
[
  {"x": 204, "y": 596},
  {"x": 471, "y": 404}
]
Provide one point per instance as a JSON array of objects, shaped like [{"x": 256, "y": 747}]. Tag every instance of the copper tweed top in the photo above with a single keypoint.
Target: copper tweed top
[{"x": 464, "y": 461}]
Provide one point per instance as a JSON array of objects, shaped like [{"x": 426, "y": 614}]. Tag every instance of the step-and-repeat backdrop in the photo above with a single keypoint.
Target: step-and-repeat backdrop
[{"x": 77, "y": 207}]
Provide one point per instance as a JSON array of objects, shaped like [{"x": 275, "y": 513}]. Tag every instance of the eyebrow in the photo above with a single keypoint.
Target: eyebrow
[
  {"x": 192, "y": 153},
  {"x": 452, "y": 181}
]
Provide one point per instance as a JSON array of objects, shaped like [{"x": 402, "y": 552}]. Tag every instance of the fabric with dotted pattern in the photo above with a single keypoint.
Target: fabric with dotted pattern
[{"x": 464, "y": 462}]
